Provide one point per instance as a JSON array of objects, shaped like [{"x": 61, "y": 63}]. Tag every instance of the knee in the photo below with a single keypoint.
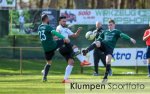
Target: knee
[
  {"x": 49, "y": 62},
  {"x": 108, "y": 59},
  {"x": 148, "y": 61},
  {"x": 74, "y": 46},
  {"x": 71, "y": 62},
  {"x": 98, "y": 44}
]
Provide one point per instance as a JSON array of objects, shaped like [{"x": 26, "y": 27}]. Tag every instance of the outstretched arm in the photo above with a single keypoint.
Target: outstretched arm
[
  {"x": 74, "y": 35},
  {"x": 54, "y": 32},
  {"x": 125, "y": 36}
]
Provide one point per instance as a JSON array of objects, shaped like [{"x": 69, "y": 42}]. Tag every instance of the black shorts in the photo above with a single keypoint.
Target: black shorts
[
  {"x": 66, "y": 52},
  {"x": 106, "y": 49},
  {"x": 148, "y": 52},
  {"x": 49, "y": 55}
]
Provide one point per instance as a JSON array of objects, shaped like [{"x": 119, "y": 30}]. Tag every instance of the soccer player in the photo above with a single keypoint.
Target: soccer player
[
  {"x": 63, "y": 30},
  {"x": 98, "y": 54},
  {"x": 106, "y": 42},
  {"x": 46, "y": 33},
  {"x": 146, "y": 38}
]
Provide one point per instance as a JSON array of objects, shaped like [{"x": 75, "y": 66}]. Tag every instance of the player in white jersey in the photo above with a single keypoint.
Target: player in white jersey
[{"x": 67, "y": 33}]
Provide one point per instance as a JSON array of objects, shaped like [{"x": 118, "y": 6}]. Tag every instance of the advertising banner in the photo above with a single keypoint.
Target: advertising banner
[
  {"x": 26, "y": 22},
  {"x": 121, "y": 16},
  {"x": 125, "y": 57},
  {"x": 7, "y": 3}
]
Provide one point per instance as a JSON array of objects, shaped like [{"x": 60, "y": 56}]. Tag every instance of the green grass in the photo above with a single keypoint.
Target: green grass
[{"x": 11, "y": 82}]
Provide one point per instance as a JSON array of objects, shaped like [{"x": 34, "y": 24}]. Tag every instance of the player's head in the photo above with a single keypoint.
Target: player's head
[
  {"x": 111, "y": 24},
  {"x": 45, "y": 18},
  {"x": 62, "y": 21},
  {"x": 98, "y": 24}
]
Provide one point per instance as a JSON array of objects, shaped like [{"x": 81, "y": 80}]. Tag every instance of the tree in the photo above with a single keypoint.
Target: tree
[
  {"x": 92, "y": 4},
  {"x": 53, "y": 3},
  {"x": 121, "y": 4},
  {"x": 41, "y": 4},
  {"x": 100, "y": 4},
  {"x": 68, "y": 4},
  {"x": 114, "y": 4},
  {"x": 132, "y": 4},
  {"x": 80, "y": 4}
]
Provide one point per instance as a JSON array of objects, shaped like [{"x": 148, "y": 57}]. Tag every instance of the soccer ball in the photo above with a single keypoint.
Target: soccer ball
[
  {"x": 90, "y": 35},
  {"x": 42, "y": 71}
]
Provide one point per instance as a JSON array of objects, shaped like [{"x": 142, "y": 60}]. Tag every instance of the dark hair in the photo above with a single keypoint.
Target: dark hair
[
  {"x": 62, "y": 17},
  {"x": 111, "y": 21},
  {"x": 44, "y": 16}
]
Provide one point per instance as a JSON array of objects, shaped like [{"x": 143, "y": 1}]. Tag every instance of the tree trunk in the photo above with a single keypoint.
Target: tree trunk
[
  {"x": 80, "y": 4},
  {"x": 53, "y": 4},
  {"x": 121, "y": 4},
  {"x": 68, "y": 4},
  {"x": 114, "y": 4},
  {"x": 20, "y": 3},
  {"x": 100, "y": 4},
  {"x": 93, "y": 4},
  {"x": 41, "y": 4},
  {"x": 30, "y": 4},
  {"x": 132, "y": 4},
  {"x": 108, "y": 4},
  {"x": 143, "y": 4}
]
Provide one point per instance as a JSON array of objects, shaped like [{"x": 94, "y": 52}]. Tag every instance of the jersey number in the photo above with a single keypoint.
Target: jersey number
[{"x": 42, "y": 35}]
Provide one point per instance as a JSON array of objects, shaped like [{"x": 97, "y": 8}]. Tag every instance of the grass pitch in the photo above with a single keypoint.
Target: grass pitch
[{"x": 11, "y": 82}]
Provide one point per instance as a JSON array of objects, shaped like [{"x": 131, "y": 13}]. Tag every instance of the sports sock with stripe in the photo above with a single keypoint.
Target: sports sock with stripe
[{"x": 68, "y": 72}]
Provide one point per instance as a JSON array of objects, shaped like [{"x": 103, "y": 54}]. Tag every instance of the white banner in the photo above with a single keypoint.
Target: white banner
[
  {"x": 7, "y": 3},
  {"x": 125, "y": 57},
  {"x": 121, "y": 16}
]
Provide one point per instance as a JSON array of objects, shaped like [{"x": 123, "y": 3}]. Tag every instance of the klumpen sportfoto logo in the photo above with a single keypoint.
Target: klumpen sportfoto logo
[
  {"x": 95, "y": 86},
  {"x": 108, "y": 86}
]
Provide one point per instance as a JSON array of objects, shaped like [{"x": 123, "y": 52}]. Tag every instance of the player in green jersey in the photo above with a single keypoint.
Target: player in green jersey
[
  {"x": 46, "y": 33},
  {"x": 107, "y": 42}
]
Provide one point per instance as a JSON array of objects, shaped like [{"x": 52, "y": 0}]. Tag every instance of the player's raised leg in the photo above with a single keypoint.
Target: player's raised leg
[
  {"x": 80, "y": 57},
  {"x": 96, "y": 44}
]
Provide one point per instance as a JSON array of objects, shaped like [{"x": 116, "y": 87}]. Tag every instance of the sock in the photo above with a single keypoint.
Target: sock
[
  {"x": 46, "y": 70},
  {"x": 91, "y": 47},
  {"x": 80, "y": 57},
  {"x": 75, "y": 49},
  {"x": 68, "y": 71},
  {"x": 148, "y": 69},
  {"x": 107, "y": 71},
  {"x": 96, "y": 67}
]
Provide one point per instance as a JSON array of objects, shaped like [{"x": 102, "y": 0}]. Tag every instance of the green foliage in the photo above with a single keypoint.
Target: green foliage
[
  {"x": 27, "y": 16},
  {"x": 14, "y": 15}
]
